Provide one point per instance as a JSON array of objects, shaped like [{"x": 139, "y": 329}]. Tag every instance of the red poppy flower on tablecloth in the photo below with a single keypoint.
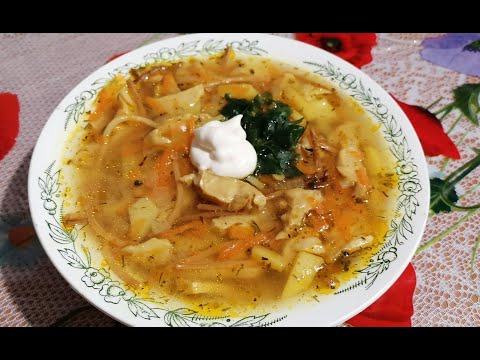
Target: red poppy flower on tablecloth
[
  {"x": 392, "y": 309},
  {"x": 115, "y": 56},
  {"x": 9, "y": 125},
  {"x": 22, "y": 235},
  {"x": 430, "y": 131},
  {"x": 356, "y": 48}
]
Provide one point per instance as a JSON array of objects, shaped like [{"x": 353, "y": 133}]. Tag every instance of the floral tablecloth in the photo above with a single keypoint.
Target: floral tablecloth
[{"x": 429, "y": 70}]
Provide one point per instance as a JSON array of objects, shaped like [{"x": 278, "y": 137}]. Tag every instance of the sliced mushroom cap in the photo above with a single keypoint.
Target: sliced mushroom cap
[{"x": 233, "y": 193}]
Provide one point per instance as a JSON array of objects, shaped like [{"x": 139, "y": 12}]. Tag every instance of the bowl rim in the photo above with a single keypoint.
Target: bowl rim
[{"x": 94, "y": 299}]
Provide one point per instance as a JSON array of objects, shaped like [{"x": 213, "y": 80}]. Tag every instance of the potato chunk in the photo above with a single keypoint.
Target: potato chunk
[
  {"x": 142, "y": 213},
  {"x": 310, "y": 101},
  {"x": 303, "y": 273},
  {"x": 158, "y": 251},
  {"x": 269, "y": 257}
]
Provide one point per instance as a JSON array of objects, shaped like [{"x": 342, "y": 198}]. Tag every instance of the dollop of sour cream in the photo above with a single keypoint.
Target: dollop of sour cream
[{"x": 222, "y": 147}]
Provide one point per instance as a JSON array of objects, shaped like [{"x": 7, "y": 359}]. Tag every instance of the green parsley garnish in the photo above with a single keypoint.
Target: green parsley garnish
[{"x": 270, "y": 131}]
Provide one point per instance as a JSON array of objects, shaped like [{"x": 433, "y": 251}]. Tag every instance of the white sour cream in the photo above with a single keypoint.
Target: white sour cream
[{"x": 222, "y": 147}]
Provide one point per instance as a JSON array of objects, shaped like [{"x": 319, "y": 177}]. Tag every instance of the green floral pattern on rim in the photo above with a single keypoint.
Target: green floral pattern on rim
[{"x": 409, "y": 182}]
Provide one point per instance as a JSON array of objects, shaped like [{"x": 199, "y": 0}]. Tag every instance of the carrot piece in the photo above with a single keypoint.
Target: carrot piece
[
  {"x": 362, "y": 176},
  {"x": 329, "y": 200},
  {"x": 182, "y": 136},
  {"x": 191, "y": 123},
  {"x": 153, "y": 104},
  {"x": 201, "y": 230},
  {"x": 343, "y": 223},
  {"x": 169, "y": 85},
  {"x": 185, "y": 165},
  {"x": 163, "y": 168},
  {"x": 181, "y": 229},
  {"x": 317, "y": 221},
  {"x": 307, "y": 168},
  {"x": 239, "y": 232},
  {"x": 106, "y": 102}
]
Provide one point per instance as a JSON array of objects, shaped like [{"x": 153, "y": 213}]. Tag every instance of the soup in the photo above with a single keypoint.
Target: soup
[{"x": 231, "y": 181}]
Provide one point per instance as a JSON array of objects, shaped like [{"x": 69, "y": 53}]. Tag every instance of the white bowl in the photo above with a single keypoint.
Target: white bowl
[{"x": 79, "y": 261}]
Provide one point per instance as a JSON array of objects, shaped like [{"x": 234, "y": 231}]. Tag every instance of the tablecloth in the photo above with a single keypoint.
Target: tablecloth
[{"x": 416, "y": 68}]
